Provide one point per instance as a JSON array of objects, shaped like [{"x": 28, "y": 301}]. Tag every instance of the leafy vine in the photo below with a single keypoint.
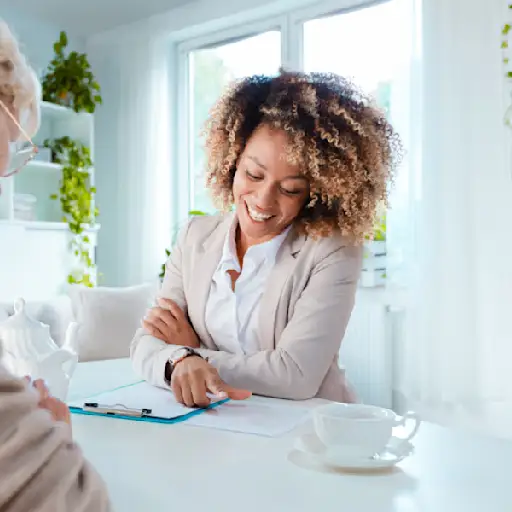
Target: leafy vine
[
  {"x": 76, "y": 200},
  {"x": 505, "y": 32}
]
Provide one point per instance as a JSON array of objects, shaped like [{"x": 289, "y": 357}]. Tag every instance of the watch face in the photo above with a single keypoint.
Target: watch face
[{"x": 179, "y": 353}]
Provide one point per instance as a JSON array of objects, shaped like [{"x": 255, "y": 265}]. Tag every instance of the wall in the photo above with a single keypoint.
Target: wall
[
  {"x": 132, "y": 176},
  {"x": 111, "y": 182}
]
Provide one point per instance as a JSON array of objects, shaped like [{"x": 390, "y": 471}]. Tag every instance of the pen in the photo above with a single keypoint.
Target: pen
[{"x": 112, "y": 410}]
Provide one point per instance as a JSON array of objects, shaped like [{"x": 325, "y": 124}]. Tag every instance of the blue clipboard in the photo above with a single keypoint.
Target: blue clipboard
[{"x": 138, "y": 413}]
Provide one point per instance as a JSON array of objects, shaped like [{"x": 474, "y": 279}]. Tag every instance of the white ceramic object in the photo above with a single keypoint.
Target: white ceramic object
[
  {"x": 393, "y": 453},
  {"x": 357, "y": 430},
  {"x": 28, "y": 349}
]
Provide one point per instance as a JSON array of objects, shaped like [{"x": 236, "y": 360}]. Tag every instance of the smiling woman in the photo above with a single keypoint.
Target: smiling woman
[{"x": 257, "y": 301}]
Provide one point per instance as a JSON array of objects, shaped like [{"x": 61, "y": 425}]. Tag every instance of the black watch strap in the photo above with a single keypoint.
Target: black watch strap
[{"x": 172, "y": 362}]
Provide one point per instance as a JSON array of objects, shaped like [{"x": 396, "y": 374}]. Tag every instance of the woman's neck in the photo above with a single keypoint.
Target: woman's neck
[{"x": 241, "y": 244}]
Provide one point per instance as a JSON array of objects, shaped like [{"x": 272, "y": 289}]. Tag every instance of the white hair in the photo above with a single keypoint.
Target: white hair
[{"x": 18, "y": 81}]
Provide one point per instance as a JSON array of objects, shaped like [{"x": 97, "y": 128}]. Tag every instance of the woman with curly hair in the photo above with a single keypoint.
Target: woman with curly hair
[{"x": 257, "y": 300}]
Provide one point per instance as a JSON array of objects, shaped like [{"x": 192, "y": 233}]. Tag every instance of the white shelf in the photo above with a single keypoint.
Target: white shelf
[
  {"x": 39, "y": 165},
  {"x": 58, "y": 112},
  {"x": 42, "y": 225},
  {"x": 61, "y": 226}
]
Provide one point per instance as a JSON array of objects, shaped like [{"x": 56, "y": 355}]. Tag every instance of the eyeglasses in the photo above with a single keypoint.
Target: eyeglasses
[{"x": 24, "y": 150}]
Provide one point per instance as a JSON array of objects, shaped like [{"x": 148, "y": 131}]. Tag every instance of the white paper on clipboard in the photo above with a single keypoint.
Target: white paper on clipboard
[
  {"x": 139, "y": 396},
  {"x": 257, "y": 415}
]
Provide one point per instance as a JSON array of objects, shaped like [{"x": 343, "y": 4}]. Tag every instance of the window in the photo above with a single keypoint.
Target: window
[
  {"x": 359, "y": 44},
  {"x": 356, "y": 38},
  {"x": 362, "y": 45},
  {"x": 210, "y": 70}
]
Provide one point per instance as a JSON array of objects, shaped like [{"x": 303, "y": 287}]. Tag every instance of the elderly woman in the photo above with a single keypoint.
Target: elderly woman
[
  {"x": 257, "y": 300},
  {"x": 40, "y": 467}
]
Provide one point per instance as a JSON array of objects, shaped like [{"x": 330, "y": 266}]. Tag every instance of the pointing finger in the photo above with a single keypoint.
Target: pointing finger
[{"x": 218, "y": 387}]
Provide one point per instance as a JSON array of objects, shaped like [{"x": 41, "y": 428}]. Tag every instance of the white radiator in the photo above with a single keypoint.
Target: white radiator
[{"x": 366, "y": 350}]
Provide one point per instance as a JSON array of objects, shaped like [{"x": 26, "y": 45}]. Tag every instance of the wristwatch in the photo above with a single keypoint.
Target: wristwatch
[{"x": 177, "y": 356}]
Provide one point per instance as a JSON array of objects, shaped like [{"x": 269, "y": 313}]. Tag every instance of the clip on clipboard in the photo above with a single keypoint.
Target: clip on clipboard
[
  {"x": 117, "y": 409},
  {"x": 139, "y": 402}
]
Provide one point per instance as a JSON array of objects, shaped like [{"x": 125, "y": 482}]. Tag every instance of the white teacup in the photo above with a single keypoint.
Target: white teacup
[{"x": 357, "y": 430}]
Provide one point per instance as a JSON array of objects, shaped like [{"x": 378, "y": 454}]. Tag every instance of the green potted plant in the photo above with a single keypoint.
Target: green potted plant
[
  {"x": 69, "y": 80},
  {"x": 76, "y": 199}
]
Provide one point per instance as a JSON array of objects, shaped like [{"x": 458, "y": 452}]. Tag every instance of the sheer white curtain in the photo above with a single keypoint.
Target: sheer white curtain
[
  {"x": 449, "y": 235},
  {"x": 133, "y": 155}
]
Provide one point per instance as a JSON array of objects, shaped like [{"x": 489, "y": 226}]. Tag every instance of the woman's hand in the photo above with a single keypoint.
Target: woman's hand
[
  {"x": 193, "y": 377},
  {"x": 59, "y": 410},
  {"x": 168, "y": 323}
]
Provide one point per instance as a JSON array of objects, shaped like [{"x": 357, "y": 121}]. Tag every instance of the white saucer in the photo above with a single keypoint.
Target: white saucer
[{"x": 396, "y": 451}]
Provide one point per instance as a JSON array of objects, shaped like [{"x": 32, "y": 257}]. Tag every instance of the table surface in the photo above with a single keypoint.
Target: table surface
[{"x": 157, "y": 467}]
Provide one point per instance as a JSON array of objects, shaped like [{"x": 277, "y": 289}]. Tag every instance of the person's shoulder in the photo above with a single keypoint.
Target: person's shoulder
[
  {"x": 201, "y": 227},
  {"x": 40, "y": 452},
  {"x": 335, "y": 246}
]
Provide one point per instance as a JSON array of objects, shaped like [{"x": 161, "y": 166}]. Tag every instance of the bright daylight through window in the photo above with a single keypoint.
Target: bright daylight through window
[{"x": 210, "y": 70}]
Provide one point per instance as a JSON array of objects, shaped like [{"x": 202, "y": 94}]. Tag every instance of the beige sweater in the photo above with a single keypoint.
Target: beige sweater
[{"x": 41, "y": 469}]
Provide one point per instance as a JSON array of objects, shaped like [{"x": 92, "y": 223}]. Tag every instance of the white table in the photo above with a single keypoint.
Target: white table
[{"x": 156, "y": 467}]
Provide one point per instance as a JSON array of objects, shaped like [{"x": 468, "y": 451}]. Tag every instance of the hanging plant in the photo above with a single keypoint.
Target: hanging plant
[
  {"x": 69, "y": 80},
  {"x": 76, "y": 201},
  {"x": 505, "y": 31},
  {"x": 505, "y": 48}
]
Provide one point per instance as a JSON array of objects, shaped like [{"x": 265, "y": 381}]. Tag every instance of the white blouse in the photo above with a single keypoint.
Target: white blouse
[{"x": 232, "y": 316}]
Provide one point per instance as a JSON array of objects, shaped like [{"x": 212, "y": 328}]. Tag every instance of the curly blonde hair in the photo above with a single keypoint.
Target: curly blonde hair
[{"x": 344, "y": 145}]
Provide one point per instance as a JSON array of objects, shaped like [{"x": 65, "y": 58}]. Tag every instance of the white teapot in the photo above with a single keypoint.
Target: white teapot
[{"x": 26, "y": 348}]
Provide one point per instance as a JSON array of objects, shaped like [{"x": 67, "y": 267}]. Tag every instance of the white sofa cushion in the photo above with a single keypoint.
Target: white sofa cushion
[{"x": 108, "y": 318}]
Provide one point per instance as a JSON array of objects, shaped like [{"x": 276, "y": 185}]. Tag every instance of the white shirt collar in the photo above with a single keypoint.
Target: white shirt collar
[{"x": 264, "y": 252}]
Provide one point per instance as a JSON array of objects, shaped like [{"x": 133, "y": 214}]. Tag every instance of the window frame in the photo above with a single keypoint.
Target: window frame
[{"x": 290, "y": 23}]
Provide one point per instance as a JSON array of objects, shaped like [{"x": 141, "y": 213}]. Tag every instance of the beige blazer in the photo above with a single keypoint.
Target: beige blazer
[{"x": 302, "y": 318}]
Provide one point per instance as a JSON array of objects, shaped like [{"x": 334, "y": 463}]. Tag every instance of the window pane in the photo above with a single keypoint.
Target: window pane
[
  {"x": 361, "y": 45},
  {"x": 211, "y": 69}
]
